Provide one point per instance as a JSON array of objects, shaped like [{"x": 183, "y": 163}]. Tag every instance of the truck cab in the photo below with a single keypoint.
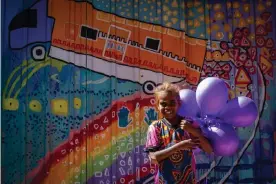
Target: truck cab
[{"x": 32, "y": 27}]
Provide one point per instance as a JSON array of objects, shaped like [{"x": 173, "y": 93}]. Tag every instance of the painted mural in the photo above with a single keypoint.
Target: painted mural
[{"x": 78, "y": 78}]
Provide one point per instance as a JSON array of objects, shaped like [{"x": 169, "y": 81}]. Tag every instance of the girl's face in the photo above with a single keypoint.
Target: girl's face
[{"x": 168, "y": 105}]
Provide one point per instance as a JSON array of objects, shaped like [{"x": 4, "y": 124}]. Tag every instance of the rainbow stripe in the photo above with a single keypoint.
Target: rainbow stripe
[{"x": 97, "y": 146}]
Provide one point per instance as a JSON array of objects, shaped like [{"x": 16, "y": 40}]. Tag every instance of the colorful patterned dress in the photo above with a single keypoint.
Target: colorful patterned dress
[{"x": 180, "y": 166}]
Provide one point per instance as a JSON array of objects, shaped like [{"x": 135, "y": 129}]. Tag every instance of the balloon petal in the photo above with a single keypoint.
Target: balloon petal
[
  {"x": 189, "y": 107},
  {"x": 211, "y": 96},
  {"x": 223, "y": 138},
  {"x": 240, "y": 112}
]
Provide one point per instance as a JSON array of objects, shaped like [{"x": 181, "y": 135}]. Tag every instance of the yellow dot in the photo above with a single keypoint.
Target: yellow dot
[
  {"x": 237, "y": 14},
  {"x": 190, "y": 13},
  {"x": 196, "y": 23},
  {"x": 190, "y": 4},
  {"x": 268, "y": 3},
  {"x": 230, "y": 36},
  {"x": 182, "y": 5},
  {"x": 201, "y": 18},
  {"x": 165, "y": 8},
  {"x": 208, "y": 30},
  {"x": 165, "y": 17},
  {"x": 200, "y": 10},
  {"x": 10, "y": 104},
  {"x": 190, "y": 22},
  {"x": 235, "y": 22},
  {"x": 215, "y": 27},
  {"x": 226, "y": 27},
  {"x": 219, "y": 15},
  {"x": 35, "y": 106},
  {"x": 260, "y": 7},
  {"x": 250, "y": 20},
  {"x": 242, "y": 23},
  {"x": 197, "y": 3},
  {"x": 259, "y": 21},
  {"x": 229, "y": 5},
  {"x": 219, "y": 35},
  {"x": 236, "y": 5},
  {"x": 246, "y": 7},
  {"x": 207, "y": 20},
  {"x": 169, "y": 24},
  {"x": 192, "y": 31},
  {"x": 214, "y": 46},
  {"x": 145, "y": 9},
  {"x": 209, "y": 6},
  {"x": 174, "y": 4},
  {"x": 217, "y": 7},
  {"x": 174, "y": 20},
  {"x": 77, "y": 103},
  {"x": 59, "y": 107},
  {"x": 175, "y": 13},
  {"x": 216, "y": 55},
  {"x": 225, "y": 56},
  {"x": 252, "y": 36}
]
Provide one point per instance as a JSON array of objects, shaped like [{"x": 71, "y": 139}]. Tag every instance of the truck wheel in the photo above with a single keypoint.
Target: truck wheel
[
  {"x": 38, "y": 53},
  {"x": 148, "y": 87}
]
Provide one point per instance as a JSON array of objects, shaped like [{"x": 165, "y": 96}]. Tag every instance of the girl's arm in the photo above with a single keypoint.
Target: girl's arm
[
  {"x": 196, "y": 132},
  {"x": 205, "y": 144},
  {"x": 158, "y": 156}
]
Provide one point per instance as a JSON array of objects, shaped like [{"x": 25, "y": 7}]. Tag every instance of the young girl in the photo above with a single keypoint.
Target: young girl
[{"x": 170, "y": 140}]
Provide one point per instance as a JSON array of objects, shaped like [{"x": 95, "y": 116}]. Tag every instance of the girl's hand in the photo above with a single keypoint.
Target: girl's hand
[
  {"x": 188, "y": 144},
  {"x": 190, "y": 128}
]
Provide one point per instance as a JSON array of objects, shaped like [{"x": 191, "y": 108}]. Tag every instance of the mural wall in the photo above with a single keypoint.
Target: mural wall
[{"x": 78, "y": 77}]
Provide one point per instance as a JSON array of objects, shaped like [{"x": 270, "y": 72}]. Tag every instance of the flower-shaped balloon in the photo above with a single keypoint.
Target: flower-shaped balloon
[{"x": 217, "y": 115}]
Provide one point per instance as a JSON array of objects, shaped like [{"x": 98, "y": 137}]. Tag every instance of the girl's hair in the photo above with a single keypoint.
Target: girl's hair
[{"x": 167, "y": 87}]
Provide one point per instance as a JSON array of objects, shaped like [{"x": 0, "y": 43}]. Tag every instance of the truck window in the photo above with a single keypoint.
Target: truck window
[
  {"x": 90, "y": 33},
  {"x": 27, "y": 18},
  {"x": 152, "y": 44}
]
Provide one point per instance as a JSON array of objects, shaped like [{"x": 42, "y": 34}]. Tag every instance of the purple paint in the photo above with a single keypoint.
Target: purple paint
[
  {"x": 126, "y": 164},
  {"x": 21, "y": 37}
]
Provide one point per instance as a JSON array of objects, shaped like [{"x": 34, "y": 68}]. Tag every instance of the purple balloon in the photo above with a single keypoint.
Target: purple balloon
[
  {"x": 223, "y": 138},
  {"x": 240, "y": 112},
  {"x": 211, "y": 96},
  {"x": 189, "y": 107}
]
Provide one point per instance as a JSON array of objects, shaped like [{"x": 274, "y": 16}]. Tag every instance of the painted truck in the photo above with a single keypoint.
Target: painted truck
[
  {"x": 124, "y": 48},
  {"x": 32, "y": 27},
  {"x": 109, "y": 44}
]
